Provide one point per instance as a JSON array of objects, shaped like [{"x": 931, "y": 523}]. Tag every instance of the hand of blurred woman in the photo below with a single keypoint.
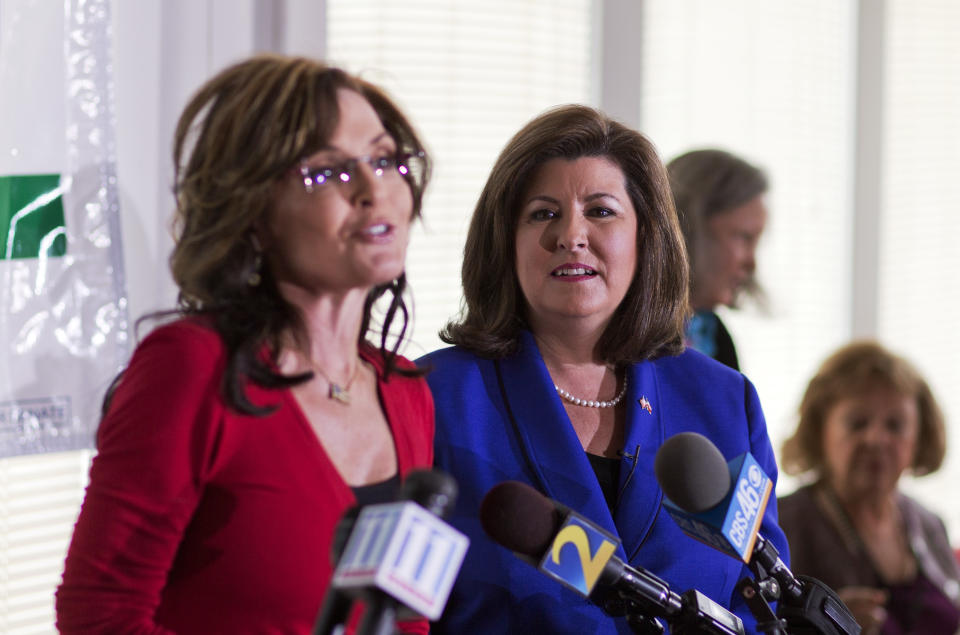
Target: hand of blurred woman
[{"x": 867, "y": 605}]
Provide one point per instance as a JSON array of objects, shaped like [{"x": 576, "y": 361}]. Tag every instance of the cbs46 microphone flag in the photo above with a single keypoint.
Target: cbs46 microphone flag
[{"x": 731, "y": 525}]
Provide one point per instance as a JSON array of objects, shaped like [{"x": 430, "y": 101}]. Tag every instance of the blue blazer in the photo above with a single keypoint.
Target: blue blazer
[{"x": 500, "y": 420}]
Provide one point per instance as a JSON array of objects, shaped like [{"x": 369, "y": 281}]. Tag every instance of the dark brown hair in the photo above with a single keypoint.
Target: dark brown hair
[
  {"x": 649, "y": 320},
  {"x": 850, "y": 370},
  {"x": 705, "y": 183},
  {"x": 245, "y": 129}
]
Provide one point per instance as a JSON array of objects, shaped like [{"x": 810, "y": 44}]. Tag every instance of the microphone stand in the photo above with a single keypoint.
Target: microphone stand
[
  {"x": 767, "y": 620},
  {"x": 333, "y": 613},
  {"x": 379, "y": 615},
  {"x": 337, "y": 605},
  {"x": 643, "y": 625},
  {"x": 691, "y": 613},
  {"x": 618, "y": 605},
  {"x": 806, "y": 605}
]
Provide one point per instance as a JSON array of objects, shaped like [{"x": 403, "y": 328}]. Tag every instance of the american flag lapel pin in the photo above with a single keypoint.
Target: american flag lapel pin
[{"x": 645, "y": 404}]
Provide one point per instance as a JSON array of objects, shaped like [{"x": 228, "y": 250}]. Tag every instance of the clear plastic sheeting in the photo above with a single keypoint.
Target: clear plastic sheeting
[{"x": 63, "y": 315}]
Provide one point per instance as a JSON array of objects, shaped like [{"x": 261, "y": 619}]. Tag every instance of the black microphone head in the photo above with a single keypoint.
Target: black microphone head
[
  {"x": 692, "y": 472},
  {"x": 520, "y": 518},
  {"x": 434, "y": 490}
]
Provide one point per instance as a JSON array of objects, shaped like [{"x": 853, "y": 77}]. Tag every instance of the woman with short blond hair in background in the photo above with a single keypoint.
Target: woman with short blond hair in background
[
  {"x": 722, "y": 207},
  {"x": 867, "y": 418}
]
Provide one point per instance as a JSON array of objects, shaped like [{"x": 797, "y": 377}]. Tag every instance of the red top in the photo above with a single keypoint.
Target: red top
[{"x": 199, "y": 519}]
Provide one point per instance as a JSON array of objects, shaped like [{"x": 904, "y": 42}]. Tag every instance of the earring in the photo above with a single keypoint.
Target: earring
[{"x": 254, "y": 278}]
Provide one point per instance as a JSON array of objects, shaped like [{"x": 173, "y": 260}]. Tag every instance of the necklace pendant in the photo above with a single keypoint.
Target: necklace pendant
[{"x": 339, "y": 394}]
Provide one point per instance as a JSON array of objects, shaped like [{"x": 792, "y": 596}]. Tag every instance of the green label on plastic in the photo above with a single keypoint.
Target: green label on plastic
[{"x": 31, "y": 216}]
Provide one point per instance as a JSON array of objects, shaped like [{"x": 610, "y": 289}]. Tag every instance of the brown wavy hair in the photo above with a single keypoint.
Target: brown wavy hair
[
  {"x": 238, "y": 135},
  {"x": 649, "y": 320},
  {"x": 708, "y": 182},
  {"x": 852, "y": 369}
]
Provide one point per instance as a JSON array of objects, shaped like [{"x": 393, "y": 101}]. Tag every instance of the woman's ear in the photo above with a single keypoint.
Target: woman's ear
[{"x": 260, "y": 235}]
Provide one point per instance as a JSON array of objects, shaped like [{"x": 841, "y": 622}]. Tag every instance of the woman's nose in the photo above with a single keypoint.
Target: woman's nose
[
  {"x": 367, "y": 184},
  {"x": 750, "y": 262},
  {"x": 572, "y": 232},
  {"x": 876, "y": 432}
]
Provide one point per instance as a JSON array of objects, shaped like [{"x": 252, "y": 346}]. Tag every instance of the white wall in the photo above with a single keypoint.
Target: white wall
[{"x": 163, "y": 51}]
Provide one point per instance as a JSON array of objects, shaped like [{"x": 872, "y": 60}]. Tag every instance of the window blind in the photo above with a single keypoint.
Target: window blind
[
  {"x": 919, "y": 259},
  {"x": 469, "y": 75},
  {"x": 773, "y": 82},
  {"x": 40, "y": 498}
]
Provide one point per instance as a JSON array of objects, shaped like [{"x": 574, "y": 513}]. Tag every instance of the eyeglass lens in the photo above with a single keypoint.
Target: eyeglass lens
[{"x": 405, "y": 164}]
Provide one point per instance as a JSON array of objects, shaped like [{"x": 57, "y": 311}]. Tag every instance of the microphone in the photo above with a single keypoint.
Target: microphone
[
  {"x": 714, "y": 501},
  {"x": 400, "y": 555},
  {"x": 722, "y": 504},
  {"x": 337, "y": 604},
  {"x": 579, "y": 554}
]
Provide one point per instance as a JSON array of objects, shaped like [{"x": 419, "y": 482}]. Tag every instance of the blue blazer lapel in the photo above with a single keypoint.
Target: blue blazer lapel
[
  {"x": 554, "y": 454},
  {"x": 640, "y": 495}
]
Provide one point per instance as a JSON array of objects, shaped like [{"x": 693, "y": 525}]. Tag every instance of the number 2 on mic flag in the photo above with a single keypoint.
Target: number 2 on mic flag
[{"x": 578, "y": 554}]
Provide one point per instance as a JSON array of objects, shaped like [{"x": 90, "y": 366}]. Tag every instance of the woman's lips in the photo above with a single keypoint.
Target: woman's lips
[
  {"x": 377, "y": 232},
  {"x": 573, "y": 272}
]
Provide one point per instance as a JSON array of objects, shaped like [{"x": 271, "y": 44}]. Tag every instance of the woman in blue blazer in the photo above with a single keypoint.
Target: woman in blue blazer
[{"x": 568, "y": 373}]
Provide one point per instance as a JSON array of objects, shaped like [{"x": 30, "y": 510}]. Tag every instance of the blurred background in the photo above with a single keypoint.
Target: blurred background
[{"x": 851, "y": 106}]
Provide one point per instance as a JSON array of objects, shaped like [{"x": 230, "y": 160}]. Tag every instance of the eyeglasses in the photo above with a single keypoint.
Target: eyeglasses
[{"x": 410, "y": 166}]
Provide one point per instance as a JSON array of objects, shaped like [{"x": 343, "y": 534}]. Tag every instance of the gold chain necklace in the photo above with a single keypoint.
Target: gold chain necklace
[{"x": 336, "y": 391}]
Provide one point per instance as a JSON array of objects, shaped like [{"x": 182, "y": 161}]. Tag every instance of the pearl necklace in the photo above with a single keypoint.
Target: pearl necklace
[{"x": 590, "y": 403}]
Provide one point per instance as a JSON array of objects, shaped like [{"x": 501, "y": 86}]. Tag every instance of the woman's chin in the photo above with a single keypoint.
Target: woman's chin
[
  {"x": 874, "y": 486},
  {"x": 386, "y": 275},
  {"x": 383, "y": 270}
]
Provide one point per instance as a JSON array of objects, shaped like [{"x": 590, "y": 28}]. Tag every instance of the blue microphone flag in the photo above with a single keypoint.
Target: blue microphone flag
[{"x": 732, "y": 524}]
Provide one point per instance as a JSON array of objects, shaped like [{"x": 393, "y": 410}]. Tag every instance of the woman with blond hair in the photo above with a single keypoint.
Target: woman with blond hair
[
  {"x": 241, "y": 431},
  {"x": 722, "y": 207},
  {"x": 866, "y": 418}
]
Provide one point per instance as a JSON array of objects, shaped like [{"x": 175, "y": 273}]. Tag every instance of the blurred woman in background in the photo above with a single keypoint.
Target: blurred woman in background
[
  {"x": 720, "y": 202},
  {"x": 240, "y": 432},
  {"x": 868, "y": 417}
]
